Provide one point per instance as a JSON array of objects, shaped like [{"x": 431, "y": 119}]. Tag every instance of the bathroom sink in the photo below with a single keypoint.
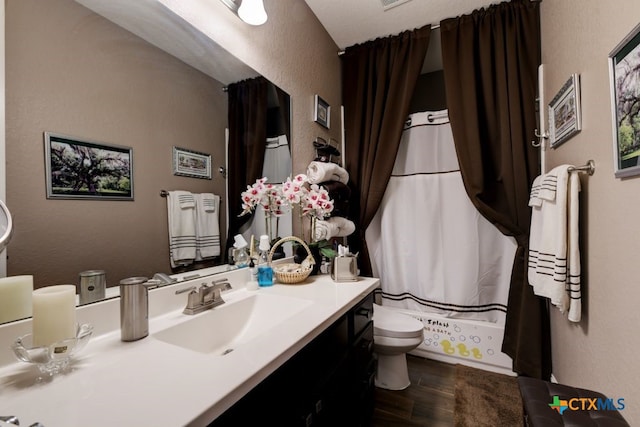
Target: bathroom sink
[{"x": 221, "y": 329}]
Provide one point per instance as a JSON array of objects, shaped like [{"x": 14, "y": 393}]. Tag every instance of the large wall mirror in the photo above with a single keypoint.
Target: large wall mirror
[{"x": 123, "y": 73}]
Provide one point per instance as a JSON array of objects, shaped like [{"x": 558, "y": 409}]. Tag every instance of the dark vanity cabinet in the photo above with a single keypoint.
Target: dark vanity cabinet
[{"x": 330, "y": 382}]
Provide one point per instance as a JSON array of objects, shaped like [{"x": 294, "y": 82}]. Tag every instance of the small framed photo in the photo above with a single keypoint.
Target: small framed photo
[
  {"x": 191, "y": 163},
  {"x": 322, "y": 112},
  {"x": 82, "y": 169},
  {"x": 564, "y": 112},
  {"x": 624, "y": 77}
]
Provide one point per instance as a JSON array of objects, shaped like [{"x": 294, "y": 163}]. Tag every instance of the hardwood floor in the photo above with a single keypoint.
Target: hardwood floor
[{"x": 428, "y": 401}]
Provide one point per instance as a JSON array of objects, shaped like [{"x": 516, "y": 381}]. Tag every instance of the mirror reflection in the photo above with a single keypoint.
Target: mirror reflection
[{"x": 71, "y": 71}]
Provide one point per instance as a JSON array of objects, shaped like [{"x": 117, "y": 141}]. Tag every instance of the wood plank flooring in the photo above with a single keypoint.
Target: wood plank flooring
[{"x": 428, "y": 401}]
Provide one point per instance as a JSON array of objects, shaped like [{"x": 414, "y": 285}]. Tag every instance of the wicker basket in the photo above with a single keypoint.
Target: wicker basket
[{"x": 292, "y": 273}]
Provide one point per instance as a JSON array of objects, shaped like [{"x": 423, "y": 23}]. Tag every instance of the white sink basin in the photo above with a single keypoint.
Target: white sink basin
[{"x": 223, "y": 328}]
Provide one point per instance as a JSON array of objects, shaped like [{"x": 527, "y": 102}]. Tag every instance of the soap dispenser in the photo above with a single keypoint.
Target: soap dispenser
[
  {"x": 240, "y": 253},
  {"x": 263, "y": 250},
  {"x": 265, "y": 272}
]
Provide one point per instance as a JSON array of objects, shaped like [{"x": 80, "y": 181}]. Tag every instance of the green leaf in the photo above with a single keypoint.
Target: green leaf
[{"x": 328, "y": 252}]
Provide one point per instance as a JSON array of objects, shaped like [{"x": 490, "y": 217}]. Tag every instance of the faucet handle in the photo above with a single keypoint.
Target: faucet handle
[
  {"x": 221, "y": 284},
  {"x": 10, "y": 419},
  {"x": 193, "y": 300},
  {"x": 189, "y": 289}
]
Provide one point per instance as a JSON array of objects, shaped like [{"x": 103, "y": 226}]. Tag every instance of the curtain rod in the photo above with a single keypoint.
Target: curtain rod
[
  {"x": 436, "y": 26},
  {"x": 433, "y": 27}
]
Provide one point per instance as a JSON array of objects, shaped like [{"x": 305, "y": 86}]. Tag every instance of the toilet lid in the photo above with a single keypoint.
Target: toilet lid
[{"x": 389, "y": 323}]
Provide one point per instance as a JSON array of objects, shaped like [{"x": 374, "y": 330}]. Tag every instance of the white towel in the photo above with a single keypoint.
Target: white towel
[
  {"x": 207, "y": 225},
  {"x": 534, "y": 197},
  {"x": 318, "y": 172},
  {"x": 543, "y": 188},
  {"x": 186, "y": 199},
  {"x": 182, "y": 228},
  {"x": 573, "y": 250},
  {"x": 554, "y": 258},
  {"x": 334, "y": 227}
]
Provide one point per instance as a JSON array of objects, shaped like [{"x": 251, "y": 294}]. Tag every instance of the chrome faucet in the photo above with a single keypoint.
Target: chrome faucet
[{"x": 205, "y": 297}]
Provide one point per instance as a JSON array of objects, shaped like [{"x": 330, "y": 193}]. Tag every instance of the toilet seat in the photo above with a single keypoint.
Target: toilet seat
[{"x": 387, "y": 323}]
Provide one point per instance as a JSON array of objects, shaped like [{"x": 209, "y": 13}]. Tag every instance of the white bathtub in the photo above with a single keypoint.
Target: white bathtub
[{"x": 468, "y": 342}]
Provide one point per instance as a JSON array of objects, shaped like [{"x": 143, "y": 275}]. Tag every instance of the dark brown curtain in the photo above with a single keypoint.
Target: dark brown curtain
[
  {"x": 490, "y": 62},
  {"x": 247, "y": 141},
  {"x": 378, "y": 80}
]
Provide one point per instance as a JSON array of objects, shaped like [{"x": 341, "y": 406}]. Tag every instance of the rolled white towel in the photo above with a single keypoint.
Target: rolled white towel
[
  {"x": 334, "y": 227},
  {"x": 318, "y": 172},
  {"x": 325, "y": 230}
]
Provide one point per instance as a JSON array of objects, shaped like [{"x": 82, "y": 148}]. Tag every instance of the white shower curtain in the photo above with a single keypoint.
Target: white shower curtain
[{"x": 431, "y": 249}]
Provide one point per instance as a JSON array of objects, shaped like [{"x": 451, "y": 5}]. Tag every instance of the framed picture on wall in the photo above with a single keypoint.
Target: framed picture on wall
[
  {"x": 82, "y": 169},
  {"x": 322, "y": 112},
  {"x": 624, "y": 72},
  {"x": 191, "y": 163},
  {"x": 564, "y": 112}
]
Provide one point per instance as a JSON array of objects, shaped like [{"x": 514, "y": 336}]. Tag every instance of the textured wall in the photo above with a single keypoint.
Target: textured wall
[
  {"x": 72, "y": 72},
  {"x": 602, "y": 351},
  {"x": 292, "y": 50}
]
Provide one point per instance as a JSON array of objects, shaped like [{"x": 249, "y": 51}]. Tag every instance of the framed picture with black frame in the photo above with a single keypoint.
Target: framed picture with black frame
[
  {"x": 83, "y": 169},
  {"x": 624, "y": 78},
  {"x": 322, "y": 112}
]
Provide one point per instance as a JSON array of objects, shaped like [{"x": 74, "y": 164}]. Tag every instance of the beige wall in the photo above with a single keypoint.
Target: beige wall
[
  {"x": 292, "y": 50},
  {"x": 602, "y": 352},
  {"x": 70, "y": 71}
]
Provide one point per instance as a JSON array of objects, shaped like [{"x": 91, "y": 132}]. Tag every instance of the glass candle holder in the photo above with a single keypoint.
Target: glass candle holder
[{"x": 55, "y": 357}]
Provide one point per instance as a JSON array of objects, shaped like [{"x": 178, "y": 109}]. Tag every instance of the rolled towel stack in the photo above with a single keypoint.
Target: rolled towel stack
[
  {"x": 334, "y": 227},
  {"x": 318, "y": 172}
]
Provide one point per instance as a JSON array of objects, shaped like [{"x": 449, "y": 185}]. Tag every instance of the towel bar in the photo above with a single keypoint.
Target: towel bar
[
  {"x": 165, "y": 193},
  {"x": 589, "y": 168}
]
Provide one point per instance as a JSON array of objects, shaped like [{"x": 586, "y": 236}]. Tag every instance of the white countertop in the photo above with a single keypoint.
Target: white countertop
[{"x": 149, "y": 382}]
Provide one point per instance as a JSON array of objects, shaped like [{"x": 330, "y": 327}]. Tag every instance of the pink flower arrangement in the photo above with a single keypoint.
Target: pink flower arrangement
[
  {"x": 267, "y": 196},
  {"x": 314, "y": 201},
  {"x": 275, "y": 200}
]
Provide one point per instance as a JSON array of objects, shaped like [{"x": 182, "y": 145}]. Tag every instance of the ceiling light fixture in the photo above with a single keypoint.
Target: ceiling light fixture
[{"x": 250, "y": 11}]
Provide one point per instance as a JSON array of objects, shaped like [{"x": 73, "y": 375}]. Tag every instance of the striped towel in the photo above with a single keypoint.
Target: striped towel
[
  {"x": 554, "y": 256},
  {"x": 543, "y": 188},
  {"x": 182, "y": 228},
  {"x": 207, "y": 226}
]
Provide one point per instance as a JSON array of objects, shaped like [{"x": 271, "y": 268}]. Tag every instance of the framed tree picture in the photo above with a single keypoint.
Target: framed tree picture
[
  {"x": 82, "y": 169},
  {"x": 624, "y": 72}
]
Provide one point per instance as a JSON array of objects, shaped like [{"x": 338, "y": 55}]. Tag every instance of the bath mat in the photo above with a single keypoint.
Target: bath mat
[{"x": 484, "y": 398}]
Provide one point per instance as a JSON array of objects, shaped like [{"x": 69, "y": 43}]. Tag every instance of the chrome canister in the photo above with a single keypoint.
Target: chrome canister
[{"x": 93, "y": 284}]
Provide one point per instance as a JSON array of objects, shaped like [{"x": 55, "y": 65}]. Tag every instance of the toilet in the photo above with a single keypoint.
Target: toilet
[{"x": 394, "y": 335}]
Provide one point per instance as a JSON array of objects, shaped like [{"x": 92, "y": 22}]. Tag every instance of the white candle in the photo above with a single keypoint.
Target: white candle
[
  {"x": 54, "y": 314},
  {"x": 15, "y": 298}
]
